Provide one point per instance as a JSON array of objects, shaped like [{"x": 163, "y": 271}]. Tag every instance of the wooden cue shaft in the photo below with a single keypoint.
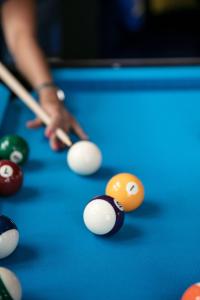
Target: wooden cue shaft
[{"x": 23, "y": 94}]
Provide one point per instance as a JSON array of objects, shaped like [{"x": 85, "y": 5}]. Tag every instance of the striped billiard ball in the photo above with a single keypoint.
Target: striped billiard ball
[
  {"x": 103, "y": 215},
  {"x": 10, "y": 287},
  {"x": 9, "y": 236}
]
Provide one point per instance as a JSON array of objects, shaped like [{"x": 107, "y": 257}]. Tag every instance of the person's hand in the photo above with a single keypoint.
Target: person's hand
[{"x": 61, "y": 118}]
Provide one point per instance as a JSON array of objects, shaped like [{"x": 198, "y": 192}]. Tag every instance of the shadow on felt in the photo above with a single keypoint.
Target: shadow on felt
[
  {"x": 149, "y": 209},
  {"x": 33, "y": 165},
  {"x": 23, "y": 254},
  {"x": 25, "y": 194},
  {"x": 105, "y": 173},
  {"x": 128, "y": 233}
]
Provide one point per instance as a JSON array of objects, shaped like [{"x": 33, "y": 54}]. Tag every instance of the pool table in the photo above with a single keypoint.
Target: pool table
[{"x": 146, "y": 120}]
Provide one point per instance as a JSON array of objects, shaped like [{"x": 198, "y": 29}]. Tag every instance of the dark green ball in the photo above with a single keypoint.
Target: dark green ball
[{"x": 14, "y": 148}]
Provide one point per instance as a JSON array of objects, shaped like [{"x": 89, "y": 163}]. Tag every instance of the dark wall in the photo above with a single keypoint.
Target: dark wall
[
  {"x": 77, "y": 29},
  {"x": 98, "y": 29},
  {"x": 80, "y": 28}
]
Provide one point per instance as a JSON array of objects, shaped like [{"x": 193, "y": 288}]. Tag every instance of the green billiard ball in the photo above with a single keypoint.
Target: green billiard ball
[{"x": 14, "y": 148}]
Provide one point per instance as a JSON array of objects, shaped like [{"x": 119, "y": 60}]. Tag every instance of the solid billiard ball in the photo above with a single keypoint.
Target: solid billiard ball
[
  {"x": 103, "y": 215},
  {"x": 10, "y": 287},
  {"x": 9, "y": 236},
  {"x": 14, "y": 148},
  {"x": 11, "y": 178},
  {"x": 127, "y": 189},
  {"x": 192, "y": 293},
  {"x": 84, "y": 158}
]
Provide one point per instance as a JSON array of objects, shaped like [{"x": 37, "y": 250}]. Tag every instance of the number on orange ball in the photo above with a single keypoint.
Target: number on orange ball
[
  {"x": 192, "y": 293},
  {"x": 127, "y": 189}
]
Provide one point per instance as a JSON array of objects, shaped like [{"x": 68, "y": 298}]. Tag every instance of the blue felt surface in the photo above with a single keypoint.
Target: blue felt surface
[
  {"x": 4, "y": 98},
  {"x": 152, "y": 133}
]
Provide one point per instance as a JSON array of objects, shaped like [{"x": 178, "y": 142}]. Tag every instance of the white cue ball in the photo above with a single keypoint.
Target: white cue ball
[
  {"x": 84, "y": 158},
  {"x": 10, "y": 285}
]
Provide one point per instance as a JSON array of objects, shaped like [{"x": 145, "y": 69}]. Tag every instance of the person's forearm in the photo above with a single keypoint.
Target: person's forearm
[
  {"x": 19, "y": 27},
  {"x": 30, "y": 60}
]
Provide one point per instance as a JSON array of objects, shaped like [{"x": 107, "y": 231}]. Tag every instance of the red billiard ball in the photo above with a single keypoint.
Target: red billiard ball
[{"x": 11, "y": 178}]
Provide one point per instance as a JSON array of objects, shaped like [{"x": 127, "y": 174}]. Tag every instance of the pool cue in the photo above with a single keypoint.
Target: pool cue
[{"x": 9, "y": 79}]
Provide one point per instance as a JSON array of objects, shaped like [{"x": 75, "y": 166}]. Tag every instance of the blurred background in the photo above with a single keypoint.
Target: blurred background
[
  {"x": 131, "y": 28},
  {"x": 99, "y": 29}
]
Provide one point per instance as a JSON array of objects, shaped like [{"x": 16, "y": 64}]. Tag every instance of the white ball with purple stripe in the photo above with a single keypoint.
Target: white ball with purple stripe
[
  {"x": 9, "y": 236},
  {"x": 10, "y": 287},
  {"x": 103, "y": 215}
]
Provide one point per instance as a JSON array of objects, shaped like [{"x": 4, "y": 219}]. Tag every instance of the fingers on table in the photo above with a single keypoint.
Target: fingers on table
[
  {"x": 50, "y": 131},
  {"x": 78, "y": 130},
  {"x": 34, "y": 123}
]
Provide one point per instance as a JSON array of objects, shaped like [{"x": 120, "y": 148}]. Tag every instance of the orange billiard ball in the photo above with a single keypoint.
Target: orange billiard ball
[
  {"x": 192, "y": 293},
  {"x": 127, "y": 189}
]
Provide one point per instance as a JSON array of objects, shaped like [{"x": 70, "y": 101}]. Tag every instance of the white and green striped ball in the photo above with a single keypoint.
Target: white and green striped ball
[{"x": 10, "y": 287}]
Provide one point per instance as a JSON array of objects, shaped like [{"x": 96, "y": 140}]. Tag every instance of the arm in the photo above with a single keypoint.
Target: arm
[{"x": 19, "y": 26}]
